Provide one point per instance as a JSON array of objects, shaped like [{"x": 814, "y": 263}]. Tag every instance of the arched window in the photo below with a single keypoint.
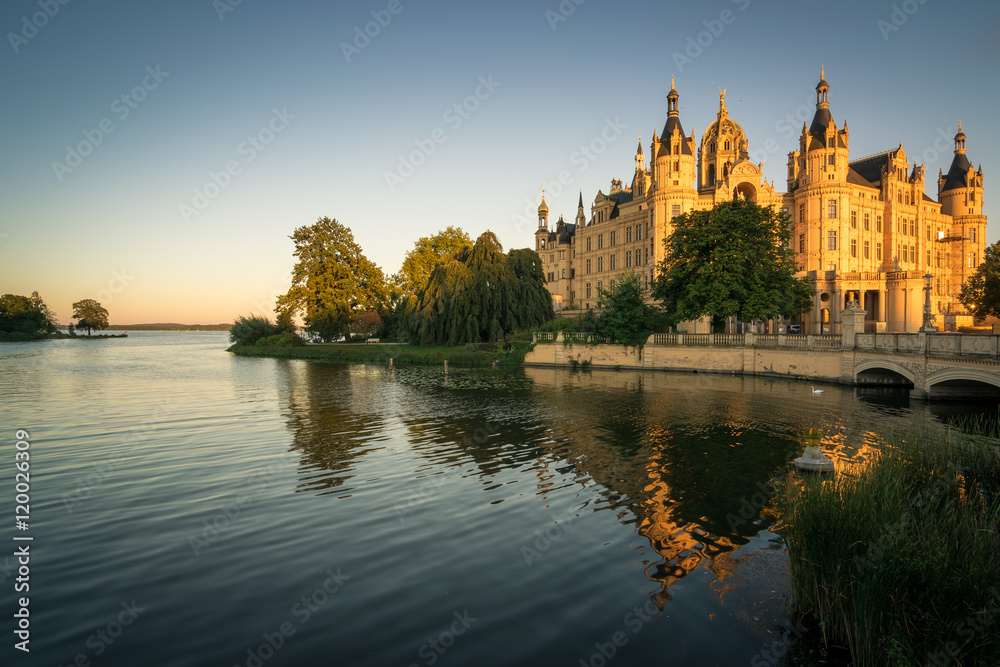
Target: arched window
[{"x": 711, "y": 174}]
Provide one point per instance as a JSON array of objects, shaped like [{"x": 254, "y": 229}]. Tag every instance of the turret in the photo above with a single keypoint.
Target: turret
[{"x": 961, "y": 190}]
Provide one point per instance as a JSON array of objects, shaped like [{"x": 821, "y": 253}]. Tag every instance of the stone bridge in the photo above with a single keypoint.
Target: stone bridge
[{"x": 932, "y": 365}]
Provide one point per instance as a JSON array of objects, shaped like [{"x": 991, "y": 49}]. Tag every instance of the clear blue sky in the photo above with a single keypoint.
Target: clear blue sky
[{"x": 329, "y": 122}]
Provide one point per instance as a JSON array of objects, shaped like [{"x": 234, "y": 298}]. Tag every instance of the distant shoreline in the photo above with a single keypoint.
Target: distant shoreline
[{"x": 164, "y": 326}]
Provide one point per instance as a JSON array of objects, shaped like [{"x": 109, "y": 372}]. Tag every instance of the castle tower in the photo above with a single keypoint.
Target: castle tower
[
  {"x": 674, "y": 174},
  {"x": 823, "y": 149},
  {"x": 581, "y": 216},
  {"x": 542, "y": 233},
  {"x": 961, "y": 195}
]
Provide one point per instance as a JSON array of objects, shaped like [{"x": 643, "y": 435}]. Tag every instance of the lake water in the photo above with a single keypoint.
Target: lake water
[{"x": 189, "y": 507}]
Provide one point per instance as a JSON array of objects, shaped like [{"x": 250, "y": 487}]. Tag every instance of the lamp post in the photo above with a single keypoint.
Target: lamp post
[{"x": 928, "y": 326}]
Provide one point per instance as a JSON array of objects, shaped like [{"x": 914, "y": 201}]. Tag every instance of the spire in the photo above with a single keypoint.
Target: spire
[
  {"x": 822, "y": 88},
  {"x": 673, "y": 123},
  {"x": 958, "y": 173},
  {"x": 960, "y": 140},
  {"x": 723, "y": 112},
  {"x": 580, "y": 205}
]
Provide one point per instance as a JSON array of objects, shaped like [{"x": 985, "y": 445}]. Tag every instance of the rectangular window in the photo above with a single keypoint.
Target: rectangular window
[
  {"x": 802, "y": 212},
  {"x": 928, "y": 258},
  {"x": 854, "y": 219},
  {"x": 645, "y": 256},
  {"x": 867, "y": 222},
  {"x": 972, "y": 260},
  {"x": 802, "y": 242},
  {"x": 878, "y": 224},
  {"x": 831, "y": 239},
  {"x": 831, "y": 208},
  {"x": 913, "y": 227},
  {"x": 878, "y": 251},
  {"x": 612, "y": 239},
  {"x": 928, "y": 232},
  {"x": 588, "y": 290},
  {"x": 600, "y": 286},
  {"x": 628, "y": 235},
  {"x": 937, "y": 259},
  {"x": 867, "y": 250},
  {"x": 972, "y": 234},
  {"x": 588, "y": 244},
  {"x": 552, "y": 257},
  {"x": 564, "y": 274},
  {"x": 854, "y": 247},
  {"x": 628, "y": 259},
  {"x": 600, "y": 241},
  {"x": 831, "y": 160},
  {"x": 611, "y": 262},
  {"x": 588, "y": 266},
  {"x": 638, "y": 232},
  {"x": 675, "y": 210},
  {"x": 600, "y": 264}
]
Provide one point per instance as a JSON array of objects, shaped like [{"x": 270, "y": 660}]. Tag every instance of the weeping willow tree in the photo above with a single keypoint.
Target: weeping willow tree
[{"x": 479, "y": 295}]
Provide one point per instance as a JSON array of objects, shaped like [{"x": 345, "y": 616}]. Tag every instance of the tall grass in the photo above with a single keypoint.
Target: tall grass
[{"x": 899, "y": 559}]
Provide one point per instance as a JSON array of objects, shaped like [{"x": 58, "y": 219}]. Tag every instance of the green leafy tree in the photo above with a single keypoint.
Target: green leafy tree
[
  {"x": 90, "y": 315},
  {"x": 981, "y": 292},
  {"x": 479, "y": 295},
  {"x": 731, "y": 260},
  {"x": 428, "y": 252},
  {"x": 331, "y": 279},
  {"x": 622, "y": 314}
]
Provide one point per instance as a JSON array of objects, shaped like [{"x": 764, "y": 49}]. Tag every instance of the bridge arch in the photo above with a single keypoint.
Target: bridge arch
[
  {"x": 963, "y": 383},
  {"x": 883, "y": 365}
]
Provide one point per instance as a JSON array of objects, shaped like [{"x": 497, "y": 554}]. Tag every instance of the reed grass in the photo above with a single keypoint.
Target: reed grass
[{"x": 899, "y": 559}]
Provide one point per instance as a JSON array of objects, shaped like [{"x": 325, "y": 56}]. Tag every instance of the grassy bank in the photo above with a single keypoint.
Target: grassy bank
[
  {"x": 897, "y": 559},
  {"x": 404, "y": 355}
]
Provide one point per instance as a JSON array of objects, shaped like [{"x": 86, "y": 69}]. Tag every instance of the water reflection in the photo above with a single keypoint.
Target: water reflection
[{"x": 685, "y": 460}]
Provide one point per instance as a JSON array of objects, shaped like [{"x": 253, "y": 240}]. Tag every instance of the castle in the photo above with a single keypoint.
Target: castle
[{"x": 862, "y": 230}]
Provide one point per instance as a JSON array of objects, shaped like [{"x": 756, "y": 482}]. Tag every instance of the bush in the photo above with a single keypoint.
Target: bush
[
  {"x": 285, "y": 339},
  {"x": 249, "y": 330}
]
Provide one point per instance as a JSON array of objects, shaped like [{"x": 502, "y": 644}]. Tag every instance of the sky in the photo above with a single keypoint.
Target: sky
[{"x": 156, "y": 156}]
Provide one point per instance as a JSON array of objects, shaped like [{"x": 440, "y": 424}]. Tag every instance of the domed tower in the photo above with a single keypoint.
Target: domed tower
[{"x": 723, "y": 145}]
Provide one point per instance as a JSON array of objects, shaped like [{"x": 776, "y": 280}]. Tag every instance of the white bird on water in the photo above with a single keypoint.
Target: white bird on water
[{"x": 815, "y": 390}]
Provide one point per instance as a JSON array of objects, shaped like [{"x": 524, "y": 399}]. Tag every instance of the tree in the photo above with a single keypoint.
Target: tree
[
  {"x": 428, "y": 252},
  {"x": 90, "y": 315},
  {"x": 622, "y": 314},
  {"x": 981, "y": 292},
  {"x": 48, "y": 317},
  {"x": 731, "y": 260},
  {"x": 479, "y": 295},
  {"x": 22, "y": 314},
  {"x": 331, "y": 279}
]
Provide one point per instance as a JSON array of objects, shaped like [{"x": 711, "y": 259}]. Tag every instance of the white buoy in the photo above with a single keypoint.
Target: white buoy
[{"x": 813, "y": 459}]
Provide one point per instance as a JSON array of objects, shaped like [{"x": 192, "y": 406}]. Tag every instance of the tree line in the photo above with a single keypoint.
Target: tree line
[
  {"x": 30, "y": 317},
  {"x": 732, "y": 260}
]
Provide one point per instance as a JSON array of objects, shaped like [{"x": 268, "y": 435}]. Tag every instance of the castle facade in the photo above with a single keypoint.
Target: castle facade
[{"x": 862, "y": 230}]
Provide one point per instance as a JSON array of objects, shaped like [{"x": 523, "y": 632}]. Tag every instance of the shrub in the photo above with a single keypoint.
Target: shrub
[
  {"x": 249, "y": 330},
  {"x": 285, "y": 339}
]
